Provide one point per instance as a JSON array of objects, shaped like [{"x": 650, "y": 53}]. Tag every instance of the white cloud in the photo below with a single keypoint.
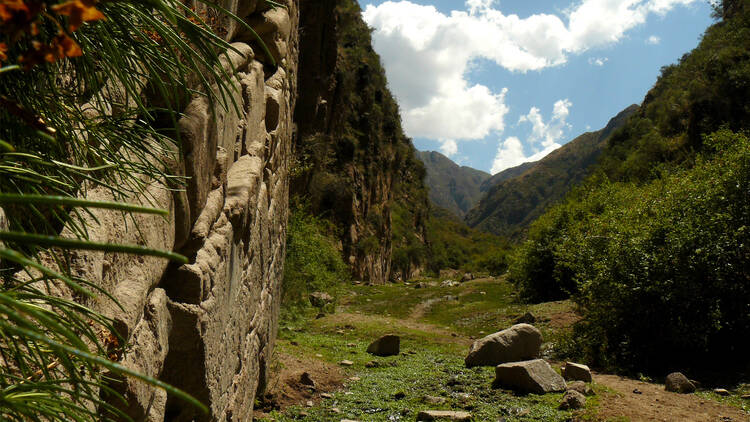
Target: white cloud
[
  {"x": 598, "y": 61},
  {"x": 448, "y": 147},
  {"x": 544, "y": 137},
  {"x": 653, "y": 40},
  {"x": 427, "y": 54}
]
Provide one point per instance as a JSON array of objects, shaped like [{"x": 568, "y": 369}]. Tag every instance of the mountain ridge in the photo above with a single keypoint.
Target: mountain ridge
[{"x": 510, "y": 205}]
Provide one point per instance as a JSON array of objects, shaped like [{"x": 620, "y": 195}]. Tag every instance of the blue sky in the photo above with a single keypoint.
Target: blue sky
[{"x": 495, "y": 83}]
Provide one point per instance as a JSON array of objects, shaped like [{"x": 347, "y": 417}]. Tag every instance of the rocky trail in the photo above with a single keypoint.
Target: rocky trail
[{"x": 332, "y": 368}]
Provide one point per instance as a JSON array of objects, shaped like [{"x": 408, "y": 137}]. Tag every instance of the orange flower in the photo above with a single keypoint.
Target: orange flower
[
  {"x": 3, "y": 51},
  {"x": 10, "y": 8},
  {"x": 78, "y": 12},
  {"x": 62, "y": 46}
]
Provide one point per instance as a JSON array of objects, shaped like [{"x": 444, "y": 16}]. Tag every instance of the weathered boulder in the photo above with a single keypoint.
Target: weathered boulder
[
  {"x": 678, "y": 383},
  {"x": 388, "y": 345},
  {"x": 573, "y": 400},
  {"x": 531, "y": 376},
  {"x": 443, "y": 415},
  {"x": 467, "y": 277},
  {"x": 581, "y": 387},
  {"x": 576, "y": 372},
  {"x": 320, "y": 299},
  {"x": 517, "y": 343},
  {"x": 527, "y": 318}
]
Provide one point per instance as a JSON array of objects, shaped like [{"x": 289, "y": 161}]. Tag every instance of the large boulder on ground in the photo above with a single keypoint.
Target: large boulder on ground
[
  {"x": 581, "y": 387},
  {"x": 573, "y": 400},
  {"x": 443, "y": 415},
  {"x": 320, "y": 299},
  {"x": 576, "y": 372},
  {"x": 467, "y": 277},
  {"x": 388, "y": 345},
  {"x": 678, "y": 383},
  {"x": 531, "y": 376},
  {"x": 517, "y": 343}
]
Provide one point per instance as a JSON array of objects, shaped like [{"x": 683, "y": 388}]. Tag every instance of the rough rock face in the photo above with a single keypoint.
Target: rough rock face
[
  {"x": 208, "y": 327},
  {"x": 531, "y": 376},
  {"x": 519, "y": 342},
  {"x": 352, "y": 159}
]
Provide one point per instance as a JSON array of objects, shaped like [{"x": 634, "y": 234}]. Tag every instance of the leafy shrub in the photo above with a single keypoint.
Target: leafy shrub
[
  {"x": 455, "y": 245},
  {"x": 313, "y": 261},
  {"x": 660, "y": 271}
]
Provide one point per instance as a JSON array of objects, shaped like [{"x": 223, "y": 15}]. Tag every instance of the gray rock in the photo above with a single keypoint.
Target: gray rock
[
  {"x": 573, "y": 400},
  {"x": 387, "y": 345},
  {"x": 467, "y": 277},
  {"x": 320, "y": 299},
  {"x": 678, "y": 383},
  {"x": 721, "y": 391},
  {"x": 443, "y": 415},
  {"x": 527, "y": 318},
  {"x": 581, "y": 387},
  {"x": 449, "y": 283},
  {"x": 576, "y": 372},
  {"x": 517, "y": 343},
  {"x": 346, "y": 363},
  {"x": 531, "y": 376}
]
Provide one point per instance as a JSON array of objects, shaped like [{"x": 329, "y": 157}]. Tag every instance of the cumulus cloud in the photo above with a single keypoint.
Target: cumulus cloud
[
  {"x": 427, "y": 54},
  {"x": 653, "y": 40},
  {"x": 544, "y": 137},
  {"x": 598, "y": 61},
  {"x": 448, "y": 147}
]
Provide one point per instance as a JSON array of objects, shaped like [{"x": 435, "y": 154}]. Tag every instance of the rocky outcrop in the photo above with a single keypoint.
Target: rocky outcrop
[
  {"x": 208, "y": 327},
  {"x": 353, "y": 162}
]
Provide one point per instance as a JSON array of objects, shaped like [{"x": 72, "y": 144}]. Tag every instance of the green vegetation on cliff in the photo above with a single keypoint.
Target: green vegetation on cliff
[
  {"x": 655, "y": 246},
  {"x": 353, "y": 161}
]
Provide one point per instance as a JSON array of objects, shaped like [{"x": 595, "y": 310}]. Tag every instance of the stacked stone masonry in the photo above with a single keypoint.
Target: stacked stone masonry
[{"x": 208, "y": 327}]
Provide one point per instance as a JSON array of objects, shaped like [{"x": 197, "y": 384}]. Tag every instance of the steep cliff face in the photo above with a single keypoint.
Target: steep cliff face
[
  {"x": 208, "y": 327},
  {"x": 351, "y": 156}
]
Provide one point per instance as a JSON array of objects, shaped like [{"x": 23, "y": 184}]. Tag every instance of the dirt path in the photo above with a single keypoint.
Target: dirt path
[{"x": 655, "y": 404}]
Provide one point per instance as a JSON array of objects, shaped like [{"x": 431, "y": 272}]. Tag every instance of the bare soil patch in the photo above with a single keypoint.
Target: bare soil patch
[
  {"x": 284, "y": 387},
  {"x": 655, "y": 404}
]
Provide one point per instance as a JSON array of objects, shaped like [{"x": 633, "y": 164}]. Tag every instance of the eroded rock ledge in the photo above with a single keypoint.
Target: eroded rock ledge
[{"x": 208, "y": 327}]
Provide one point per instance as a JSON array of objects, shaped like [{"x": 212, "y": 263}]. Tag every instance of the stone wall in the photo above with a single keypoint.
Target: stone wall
[{"x": 208, "y": 327}]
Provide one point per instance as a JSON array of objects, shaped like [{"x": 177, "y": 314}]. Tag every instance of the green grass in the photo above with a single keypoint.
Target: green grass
[
  {"x": 432, "y": 359},
  {"x": 473, "y": 314}
]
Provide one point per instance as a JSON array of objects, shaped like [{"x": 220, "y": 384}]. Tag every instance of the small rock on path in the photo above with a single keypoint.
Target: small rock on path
[{"x": 443, "y": 415}]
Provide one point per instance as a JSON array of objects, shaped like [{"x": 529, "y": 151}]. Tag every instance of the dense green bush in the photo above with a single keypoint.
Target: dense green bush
[
  {"x": 455, "y": 245},
  {"x": 661, "y": 271},
  {"x": 313, "y": 261}
]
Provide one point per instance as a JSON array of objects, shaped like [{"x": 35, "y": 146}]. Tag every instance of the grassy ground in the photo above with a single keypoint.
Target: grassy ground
[
  {"x": 433, "y": 344},
  {"x": 437, "y": 325}
]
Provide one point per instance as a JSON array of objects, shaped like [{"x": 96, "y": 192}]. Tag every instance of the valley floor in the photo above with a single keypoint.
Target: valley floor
[{"x": 437, "y": 324}]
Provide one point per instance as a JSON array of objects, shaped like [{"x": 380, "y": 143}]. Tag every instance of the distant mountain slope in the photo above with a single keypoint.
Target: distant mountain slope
[
  {"x": 453, "y": 187},
  {"x": 505, "y": 175},
  {"x": 512, "y": 204}
]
